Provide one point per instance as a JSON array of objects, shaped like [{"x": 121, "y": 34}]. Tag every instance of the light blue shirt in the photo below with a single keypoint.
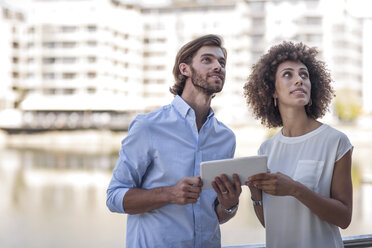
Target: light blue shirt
[{"x": 161, "y": 148}]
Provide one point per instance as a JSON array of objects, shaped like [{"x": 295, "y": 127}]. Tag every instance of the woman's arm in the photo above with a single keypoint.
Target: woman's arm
[
  {"x": 256, "y": 196},
  {"x": 336, "y": 210}
]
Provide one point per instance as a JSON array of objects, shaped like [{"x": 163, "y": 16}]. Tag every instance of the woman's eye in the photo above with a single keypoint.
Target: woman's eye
[
  {"x": 304, "y": 75},
  {"x": 287, "y": 74}
]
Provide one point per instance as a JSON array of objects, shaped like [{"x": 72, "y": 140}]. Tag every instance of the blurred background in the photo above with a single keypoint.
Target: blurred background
[{"x": 74, "y": 73}]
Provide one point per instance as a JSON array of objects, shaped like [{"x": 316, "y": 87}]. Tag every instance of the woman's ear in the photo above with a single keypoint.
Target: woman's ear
[{"x": 184, "y": 69}]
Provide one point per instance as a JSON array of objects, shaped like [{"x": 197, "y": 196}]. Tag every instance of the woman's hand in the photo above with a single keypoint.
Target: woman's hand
[{"x": 274, "y": 184}]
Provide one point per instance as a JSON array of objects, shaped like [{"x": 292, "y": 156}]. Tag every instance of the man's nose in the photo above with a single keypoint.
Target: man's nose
[{"x": 217, "y": 66}]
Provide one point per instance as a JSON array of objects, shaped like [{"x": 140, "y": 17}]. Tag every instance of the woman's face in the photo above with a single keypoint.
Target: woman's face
[{"x": 292, "y": 84}]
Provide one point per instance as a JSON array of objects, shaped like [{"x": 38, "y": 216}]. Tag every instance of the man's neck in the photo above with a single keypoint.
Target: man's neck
[{"x": 200, "y": 103}]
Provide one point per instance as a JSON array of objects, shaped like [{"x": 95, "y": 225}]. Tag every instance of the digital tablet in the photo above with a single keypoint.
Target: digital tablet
[{"x": 244, "y": 167}]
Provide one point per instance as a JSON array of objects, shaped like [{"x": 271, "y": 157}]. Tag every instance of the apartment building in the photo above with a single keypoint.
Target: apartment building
[
  {"x": 249, "y": 28},
  {"x": 79, "y": 64},
  {"x": 10, "y": 18},
  {"x": 96, "y": 63},
  {"x": 167, "y": 28}
]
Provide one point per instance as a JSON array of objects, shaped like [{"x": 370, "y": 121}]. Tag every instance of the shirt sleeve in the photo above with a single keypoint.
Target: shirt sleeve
[
  {"x": 134, "y": 158},
  {"x": 233, "y": 146}
]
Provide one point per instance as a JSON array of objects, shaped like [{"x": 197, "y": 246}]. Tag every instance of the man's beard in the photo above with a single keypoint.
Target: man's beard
[{"x": 202, "y": 84}]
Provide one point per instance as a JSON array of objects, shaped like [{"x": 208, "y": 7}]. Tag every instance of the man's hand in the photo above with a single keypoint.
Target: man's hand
[
  {"x": 227, "y": 193},
  {"x": 186, "y": 191}
]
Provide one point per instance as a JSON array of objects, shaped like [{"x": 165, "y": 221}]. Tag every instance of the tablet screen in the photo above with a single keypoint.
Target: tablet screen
[{"x": 244, "y": 167}]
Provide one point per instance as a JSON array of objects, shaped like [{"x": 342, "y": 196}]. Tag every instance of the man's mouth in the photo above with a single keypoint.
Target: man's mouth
[{"x": 216, "y": 76}]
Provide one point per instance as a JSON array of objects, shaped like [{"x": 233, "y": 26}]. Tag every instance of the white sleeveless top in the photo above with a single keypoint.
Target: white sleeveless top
[{"x": 308, "y": 159}]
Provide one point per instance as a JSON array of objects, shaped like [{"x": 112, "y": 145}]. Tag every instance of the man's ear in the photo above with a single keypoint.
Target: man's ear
[{"x": 184, "y": 69}]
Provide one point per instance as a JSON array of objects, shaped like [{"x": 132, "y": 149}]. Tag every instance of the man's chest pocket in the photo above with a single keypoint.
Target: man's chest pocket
[{"x": 308, "y": 172}]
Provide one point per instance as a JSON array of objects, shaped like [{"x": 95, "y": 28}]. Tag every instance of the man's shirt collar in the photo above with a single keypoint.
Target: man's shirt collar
[{"x": 183, "y": 108}]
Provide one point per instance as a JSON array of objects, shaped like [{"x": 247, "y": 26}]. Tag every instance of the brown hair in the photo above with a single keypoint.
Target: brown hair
[
  {"x": 260, "y": 87},
  {"x": 187, "y": 53}
]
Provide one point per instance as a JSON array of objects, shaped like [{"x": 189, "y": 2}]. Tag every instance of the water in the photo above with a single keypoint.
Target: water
[{"x": 57, "y": 199}]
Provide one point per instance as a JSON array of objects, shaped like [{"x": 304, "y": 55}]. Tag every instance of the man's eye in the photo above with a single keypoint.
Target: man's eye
[{"x": 206, "y": 59}]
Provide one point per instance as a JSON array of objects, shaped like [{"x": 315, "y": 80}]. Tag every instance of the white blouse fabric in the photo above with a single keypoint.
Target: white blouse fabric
[{"x": 308, "y": 159}]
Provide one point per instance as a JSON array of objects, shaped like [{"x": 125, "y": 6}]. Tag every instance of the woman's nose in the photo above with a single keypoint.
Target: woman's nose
[{"x": 299, "y": 81}]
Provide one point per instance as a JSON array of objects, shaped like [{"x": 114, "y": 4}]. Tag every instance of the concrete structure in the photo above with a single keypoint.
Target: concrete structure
[
  {"x": 71, "y": 72},
  {"x": 367, "y": 65},
  {"x": 111, "y": 58},
  {"x": 10, "y": 20}
]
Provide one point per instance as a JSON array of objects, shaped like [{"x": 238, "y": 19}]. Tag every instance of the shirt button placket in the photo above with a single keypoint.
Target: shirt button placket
[{"x": 198, "y": 229}]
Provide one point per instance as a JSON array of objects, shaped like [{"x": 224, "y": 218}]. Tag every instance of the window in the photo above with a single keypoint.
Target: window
[
  {"x": 68, "y": 60},
  {"x": 92, "y": 59},
  {"x": 91, "y": 74},
  {"x": 92, "y": 43},
  {"x": 68, "y": 91},
  {"x": 48, "y": 75},
  {"x": 6, "y": 13},
  {"x": 257, "y": 6},
  {"x": 31, "y": 30},
  {"x": 313, "y": 20},
  {"x": 258, "y": 22},
  {"x": 49, "y": 60},
  {"x": 91, "y": 28},
  {"x": 30, "y": 75},
  {"x": 68, "y": 44},
  {"x": 15, "y": 74},
  {"x": 68, "y": 29},
  {"x": 30, "y": 44},
  {"x": 257, "y": 39},
  {"x": 153, "y": 67},
  {"x": 91, "y": 90},
  {"x": 68, "y": 75},
  {"x": 314, "y": 37},
  {"x": 49, "y": 44}
]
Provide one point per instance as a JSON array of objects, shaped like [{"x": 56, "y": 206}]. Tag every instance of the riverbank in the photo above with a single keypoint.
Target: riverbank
[
  {"x": 87, "y": 141},
  {"x": 248, "y": 139}
]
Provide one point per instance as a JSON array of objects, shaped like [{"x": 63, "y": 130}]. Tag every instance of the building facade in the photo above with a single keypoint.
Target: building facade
[{"x": 112, "y": 59}]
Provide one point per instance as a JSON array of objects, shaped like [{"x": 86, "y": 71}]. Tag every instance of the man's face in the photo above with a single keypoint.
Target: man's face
[{"x": 208, "y": 70}]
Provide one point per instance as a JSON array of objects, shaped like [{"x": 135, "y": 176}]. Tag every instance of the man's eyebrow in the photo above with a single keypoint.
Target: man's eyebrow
[{"x": 212, "y": 55}]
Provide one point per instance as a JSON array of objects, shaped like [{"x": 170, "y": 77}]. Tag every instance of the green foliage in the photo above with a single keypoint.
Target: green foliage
[
  {"x": 356, "y": 175},
  {"x": 346, "y": 105}
]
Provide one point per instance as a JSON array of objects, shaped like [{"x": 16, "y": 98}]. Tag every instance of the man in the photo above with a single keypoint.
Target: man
[{"x": 156, "y": 180}]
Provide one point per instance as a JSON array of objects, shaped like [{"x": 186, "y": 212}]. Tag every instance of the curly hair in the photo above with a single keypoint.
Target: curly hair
[
  {"x": 260, "y": 87},
  {"x": 187, "y": 53}
]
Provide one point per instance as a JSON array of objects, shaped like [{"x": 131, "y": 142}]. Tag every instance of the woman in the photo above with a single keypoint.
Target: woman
[{"x": 307, "y": 193}]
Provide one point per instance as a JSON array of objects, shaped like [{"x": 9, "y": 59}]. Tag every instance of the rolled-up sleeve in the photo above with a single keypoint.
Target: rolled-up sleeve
[{"x": 134, "y": 158}]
